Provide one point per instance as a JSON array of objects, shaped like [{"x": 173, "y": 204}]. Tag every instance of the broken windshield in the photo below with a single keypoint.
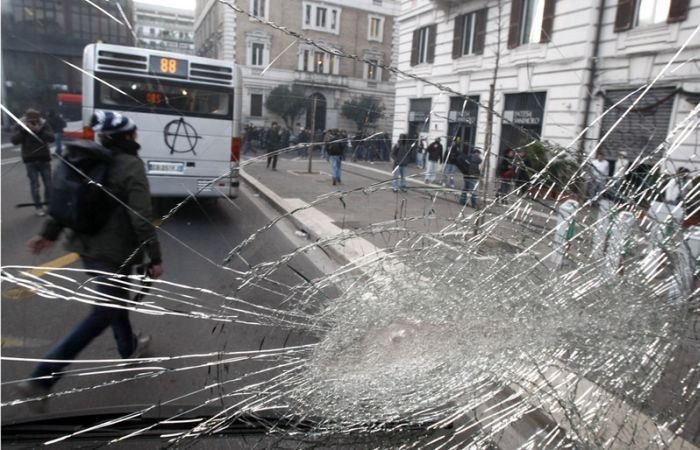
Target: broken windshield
[{"x": 430, "y": 224}]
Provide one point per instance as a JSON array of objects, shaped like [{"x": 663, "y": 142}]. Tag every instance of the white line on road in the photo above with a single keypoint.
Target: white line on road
[{"x": 14, "y": 160}]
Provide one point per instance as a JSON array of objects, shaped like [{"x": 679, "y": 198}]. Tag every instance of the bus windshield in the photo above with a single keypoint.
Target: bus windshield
[{"x": 163, "y": 97}]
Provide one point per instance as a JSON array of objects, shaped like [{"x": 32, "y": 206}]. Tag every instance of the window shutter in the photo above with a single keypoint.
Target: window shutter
[
  {"x": 548, "y": 20},
  {"x": 480, "y": 31},
  {"x": 516, "y": 12},
  {"x": 623, "y": 17},
  {"x": 457, "y": 41},
  {"x": 432, "y": 30},
  {"x": 414, "y": 50},
  {"x": 678, "y": 11}
]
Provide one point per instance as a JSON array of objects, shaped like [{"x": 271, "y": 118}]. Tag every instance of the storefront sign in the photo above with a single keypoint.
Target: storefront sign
[{"x": 527, "y": 118}]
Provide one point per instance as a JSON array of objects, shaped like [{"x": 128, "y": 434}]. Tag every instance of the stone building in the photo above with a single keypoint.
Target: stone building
[
  {"x": 269, "y": 58},
  {"x": 561, "y": 64},
  {"x": 164, "y": 28}
]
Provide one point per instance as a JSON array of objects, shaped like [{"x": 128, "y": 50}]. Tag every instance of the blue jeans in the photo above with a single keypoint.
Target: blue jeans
[
  {"x": 469, "y": 188},
  {"x": 335, "y": 168},
  {"x": 448, "y": 178},
  {"x": 419, "y": 160},
  {"x": 99, "y": 319},
  {"x": 59, "y": 146},
  {"x": 399, "y": 180},
  {"x": 36, "y": 169}
]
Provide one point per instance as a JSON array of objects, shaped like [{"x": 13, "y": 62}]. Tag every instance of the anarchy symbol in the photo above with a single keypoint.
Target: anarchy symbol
[{"x": 180, "y": 136}]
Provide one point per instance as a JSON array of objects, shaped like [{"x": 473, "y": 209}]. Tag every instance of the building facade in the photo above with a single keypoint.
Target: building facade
[
  {"x": 39, "y": 38},
  {"x": 164, "y": 28},
  {"x": 269, "y": 58},
  {"x": 555, "y": 67}
]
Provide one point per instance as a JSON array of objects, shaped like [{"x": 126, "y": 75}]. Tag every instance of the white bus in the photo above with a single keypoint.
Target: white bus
[{"x": 186, "y": 108}]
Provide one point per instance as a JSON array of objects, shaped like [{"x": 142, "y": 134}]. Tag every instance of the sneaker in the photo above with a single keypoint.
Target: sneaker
[
  {"x": 142, "y": 344},
  {"x": 31, "y": 390},
  {"x": 40, "y": 212}
]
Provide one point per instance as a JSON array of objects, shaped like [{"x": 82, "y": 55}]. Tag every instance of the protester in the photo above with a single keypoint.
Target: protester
[
  {"x": 113, "y": 249},
  {"x": 599, "y": 175},
  {"x": 471, "y": 179},
  {"x": 400, "y": 156},
  {"x": 522, "y": 170},
  {"x": 448, "y": 171},
  {"x": 336, "y": 146},
  {"x": 434, "y": 156},
  {"x": 678, "y": 187},
  {"x": 34, "y": 135},
  {"x": 273, "y": 143},
  {"x": 506, "y": 172},
  {"x": 57, "y": 124},
  {"x": 420, "y": 154}
]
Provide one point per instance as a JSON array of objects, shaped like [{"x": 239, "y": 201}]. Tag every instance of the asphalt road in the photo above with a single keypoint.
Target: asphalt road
[{"x": 195, "y": 241}]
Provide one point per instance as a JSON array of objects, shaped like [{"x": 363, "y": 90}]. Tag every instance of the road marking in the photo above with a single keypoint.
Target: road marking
[
  {"x": 17, "y": 342},
  {"x": 57, "y": 263},
  {"x": 22, "y": 292},
  {"x": 14, "y": 160}
]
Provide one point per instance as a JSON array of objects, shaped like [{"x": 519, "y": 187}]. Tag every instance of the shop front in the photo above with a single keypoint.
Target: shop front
[
  {"x": 462, "y": 120},
  {"x": 523, "y": 116}
]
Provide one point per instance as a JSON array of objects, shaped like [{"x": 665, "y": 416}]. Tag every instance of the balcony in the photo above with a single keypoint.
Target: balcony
[{"x": 321, "y": 79}]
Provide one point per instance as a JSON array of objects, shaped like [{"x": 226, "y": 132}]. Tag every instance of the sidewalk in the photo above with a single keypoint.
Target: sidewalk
[
  {"x": 339, "y": 216},
  {"x": 365, "y": 199}
]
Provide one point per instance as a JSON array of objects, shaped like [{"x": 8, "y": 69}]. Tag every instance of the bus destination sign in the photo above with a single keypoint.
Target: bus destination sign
[{"x": 170, "y": 67}]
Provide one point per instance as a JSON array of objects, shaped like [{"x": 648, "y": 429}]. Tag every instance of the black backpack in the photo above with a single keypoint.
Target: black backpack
[
  {"x": 461, "y": 160},
  {"x": 78, "y": 197}
]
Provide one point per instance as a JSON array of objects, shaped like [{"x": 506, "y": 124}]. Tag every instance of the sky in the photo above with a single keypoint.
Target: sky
[{"x": 186, "y": 4}]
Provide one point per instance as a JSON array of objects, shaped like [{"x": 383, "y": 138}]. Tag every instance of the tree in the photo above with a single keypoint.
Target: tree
[
  {"x": 287, "y": 103},
  {"x": 364, "y": 111}
]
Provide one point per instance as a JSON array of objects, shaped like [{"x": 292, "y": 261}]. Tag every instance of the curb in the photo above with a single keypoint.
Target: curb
[{"x": 348, "y": 251}]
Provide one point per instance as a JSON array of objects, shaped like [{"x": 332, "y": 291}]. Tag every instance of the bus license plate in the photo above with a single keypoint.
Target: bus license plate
[{"x": 166, "y": 167}]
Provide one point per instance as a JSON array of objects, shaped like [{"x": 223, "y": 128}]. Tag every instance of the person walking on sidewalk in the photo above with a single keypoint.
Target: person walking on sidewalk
[
  {"x": 113, "y": 249},
  {"x": 273, "y": 140},
  {"x": 400, "y": 156},
  {"x": 599, "y": 176},
  {"x": 335, "y": 146},
  {"x": 471, "y": 179},
  {"x": 420, "y": 154},
  {"x": 57, "y": 124},
  {"x": 34, "y": 136},
  {"x": 434, "y": 156},
  {"x": 506, "y": 172},
  {"x": 448, "y": 179}
]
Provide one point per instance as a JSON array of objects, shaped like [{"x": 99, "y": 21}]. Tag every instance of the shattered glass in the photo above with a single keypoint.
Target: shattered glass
[{"x": 535, "y": 321}]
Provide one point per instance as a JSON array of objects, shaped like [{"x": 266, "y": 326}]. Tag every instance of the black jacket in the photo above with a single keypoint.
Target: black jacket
[
  {"x": 34, "y": 149},
  {"x": 129, "y": 232},
  {"x": 435, "y": 152}
]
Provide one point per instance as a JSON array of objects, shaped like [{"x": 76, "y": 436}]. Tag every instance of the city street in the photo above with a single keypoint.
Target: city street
[{"x": 30, "y": 324}]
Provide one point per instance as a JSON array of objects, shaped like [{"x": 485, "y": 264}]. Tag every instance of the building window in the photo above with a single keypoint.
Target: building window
[
  {"x": 372, "y": 70},
  {"x": 640, "y": 13},
  {"x": 376, "y": 28},
  {"x": 318, "y": 62},
  {"x": 321, "y": 17},
  {"x": 469, "y": 34},
  {"x": 257, "y": 51},
  {"x": 423, "y": 50},
  {"x": 531, "y": 21},
  {"x": 651, "y": 11},
  {"x": 258, "y": 8},
  {"x": 256, "y": 105}
]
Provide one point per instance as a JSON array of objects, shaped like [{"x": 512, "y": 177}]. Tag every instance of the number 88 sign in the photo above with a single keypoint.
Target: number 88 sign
[{"x": 168, "y": 66}]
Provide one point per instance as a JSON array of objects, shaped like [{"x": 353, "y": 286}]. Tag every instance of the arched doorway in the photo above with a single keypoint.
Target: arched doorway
[{"x": 319, "y": 121}]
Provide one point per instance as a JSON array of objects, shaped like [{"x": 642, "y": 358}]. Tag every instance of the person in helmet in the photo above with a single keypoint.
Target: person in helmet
[{"x": 114, "y": 249}]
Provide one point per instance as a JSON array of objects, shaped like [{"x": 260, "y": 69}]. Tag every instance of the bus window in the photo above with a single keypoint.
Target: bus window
[{"x": 164, "y": 97}]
